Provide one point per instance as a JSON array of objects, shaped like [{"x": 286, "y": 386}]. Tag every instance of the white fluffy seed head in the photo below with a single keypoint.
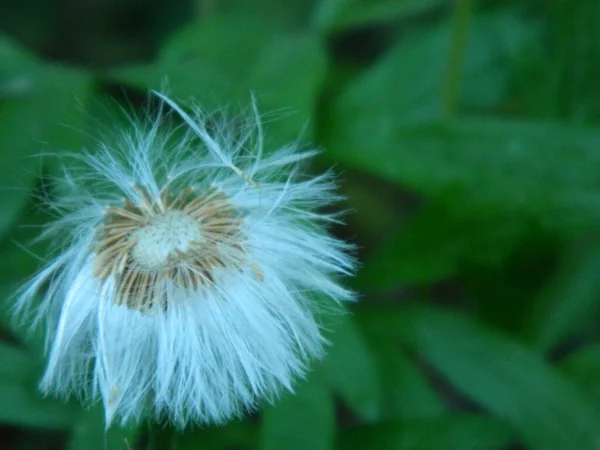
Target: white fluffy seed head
[{"x": 191, "y": 273}]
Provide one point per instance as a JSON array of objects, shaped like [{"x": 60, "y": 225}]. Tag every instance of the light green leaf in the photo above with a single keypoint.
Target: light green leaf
[
  {"x": 300, "y": 421},
  {"x": 36, "y": 102},
  {"x": 290, "y": 14},
  {"x": 507, "y": 379},
  {"x": 543, "y": 170},
  {"x": 435, "y": 244},
  {"x": 208, "y": 60},
  {"x": 406, "y": 392},
  {"x": 222, "y": 62},
  {"x": 287, "y": 79},
  {"x": 22, "y": 406},
  {"x": 570, "y": 300},
  {"x": 352, "y": 371},
  {"x": 459, "y": 432},
  {"x": 16, "y": 365},
  {"x": 583, "y": 367},
  {"x": 31, "y": 341},
  {"x": 334, "y": 15},
  {"x": 387, "y": 123},
  {"x": 406, "y": 85}
]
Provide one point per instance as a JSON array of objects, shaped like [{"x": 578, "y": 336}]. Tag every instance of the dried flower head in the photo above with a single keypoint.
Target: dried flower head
[{"x": 187, "y": 272}]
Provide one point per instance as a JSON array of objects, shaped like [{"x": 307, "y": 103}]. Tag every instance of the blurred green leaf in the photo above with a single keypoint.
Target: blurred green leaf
[
  {"x": 509, "y": 380},
  {"x": 386, "y": 123},
  {"x": 287, "y": 79},
  {"x": 291, "y": 14},
  {"x": 36, "y": 100},
  {"x": 502, "y": 296},
  {"x": 546, "y": 171},
  {"x": 16, "y": 365},
  {"x": 22, "y": 406},
  {"x": 570, "y": 300},
  {"x": 406, "y": 392},
  {"x": 406, "y": 85},
  {"x": 555, "y": 75},
  {"x": 495, "y": 40},
  {"x": 223, "y": 61},
  {"x": 334, "y": 15},
  {"x": 31, "y": 339},
  {"x": 208, "y": 60},
  {"x": 352, "y": 371},
  {"x": 435, "y": 244},
  {"x": 22, "y": 253},
  {"x": 583, "y": 366},
  {"x": 459, "y": 432},
  {"x": 89, "y": 433},
  {"x": 15, "y": 68},
  {"x": 303, "y": 420},
  {"x": 20, "y": 368},
  {"x": 403, "y": 86}
]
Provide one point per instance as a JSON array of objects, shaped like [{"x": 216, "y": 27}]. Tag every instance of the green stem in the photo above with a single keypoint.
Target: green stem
[{"x": 461, "y": 19}]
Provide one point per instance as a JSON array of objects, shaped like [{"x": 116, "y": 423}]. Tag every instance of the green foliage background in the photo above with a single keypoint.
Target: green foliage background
[{"x": 466, "y": 134}]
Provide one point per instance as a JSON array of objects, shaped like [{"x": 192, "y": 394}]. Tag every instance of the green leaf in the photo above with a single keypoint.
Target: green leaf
[
  {"x": 406, "y": 393},
  {"x": 290, "y": 14},
  {"x": 223, "y": 61},
  {"x": 556, "y": 74},
  {"x": 507, "y": 379},
  {"x": 387, "y": 123},
  {"x": 230, "y": 44},
  {"x": 16, "y": 364},
  {"x": 583, "y": 367},
  {"x": 89, "y": 432},
  {"x": 20, "y": 402},
  {"x": 334, "y": 15},
  {"x": 30, "y": 340},
  {"x": 36, "y": 101},
  {"x": 544, "y": 170},
  {"x": 570, "y": 300},
  {"x": 22, "y": 406},
  {"x": 436, "y": 243},
  {"x": 459, "y": 432},
  {"x": 209, "y": 60},
  {"x": 288, "y": 77},
  {"x": 495, "y": 40},
  {"x": 406, "y": 85},
  {"x": 304, "y": 420},
  {"x": 21, "y": 250},
  {"x": 352, "y": 371}
]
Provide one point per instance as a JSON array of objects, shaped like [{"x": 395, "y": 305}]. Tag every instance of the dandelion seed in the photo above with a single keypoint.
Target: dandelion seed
[{"x": 186, "y": 274}]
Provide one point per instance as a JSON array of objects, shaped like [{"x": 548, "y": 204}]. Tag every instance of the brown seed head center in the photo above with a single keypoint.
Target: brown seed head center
[{"x": 181, "y": 240}]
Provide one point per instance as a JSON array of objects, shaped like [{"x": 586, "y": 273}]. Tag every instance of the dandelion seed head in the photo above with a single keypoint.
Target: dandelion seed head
[{"x": 191, "y": 272}]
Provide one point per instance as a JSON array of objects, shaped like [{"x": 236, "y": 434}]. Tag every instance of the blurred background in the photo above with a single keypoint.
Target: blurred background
[{"x": 466, "y": 138}]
